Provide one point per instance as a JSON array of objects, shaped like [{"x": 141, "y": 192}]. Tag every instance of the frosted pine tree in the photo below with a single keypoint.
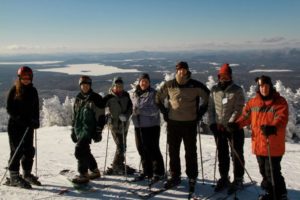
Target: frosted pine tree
[
  {"x": 52, "y": 112},
  {"x": 3, "y": 119}
]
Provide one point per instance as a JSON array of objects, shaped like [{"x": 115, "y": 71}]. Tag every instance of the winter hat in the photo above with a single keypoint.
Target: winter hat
[
  {"x": 264, "y": 80},
  {"x": 85, "y": 79},
  {"x": 144, "y": 76},
  {"x": 25, "y": 71},
  {"x": 117, "y": 81},
  {"x": 182, "y": 64},
  {"x": 225, "y": 69}
]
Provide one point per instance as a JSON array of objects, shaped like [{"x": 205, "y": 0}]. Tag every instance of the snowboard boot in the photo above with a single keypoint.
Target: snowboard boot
[
  {"x": 192, "y": 184},
  {"x": 81, "y": 178},
  {"x": 94, "y": 174},
  {"x": 31, "y": 179},
  {"x": 237, "y": 184},
  {"x": 222, "y": 183},
  {"x": 17, "y": 181},
  {"x": 172, "y": 182}
]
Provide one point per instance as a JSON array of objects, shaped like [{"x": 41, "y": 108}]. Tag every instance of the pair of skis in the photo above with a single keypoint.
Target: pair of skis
[
  {"x": 225, "y": 196},
  {"x": 146, "y": 193}
]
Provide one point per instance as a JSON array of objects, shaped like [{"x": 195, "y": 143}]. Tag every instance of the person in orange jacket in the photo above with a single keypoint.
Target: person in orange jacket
[{"x": 267, "y": 113}]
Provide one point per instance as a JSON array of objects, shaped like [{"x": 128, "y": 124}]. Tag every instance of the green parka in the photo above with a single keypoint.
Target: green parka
[{"x": 88, "y": 115}]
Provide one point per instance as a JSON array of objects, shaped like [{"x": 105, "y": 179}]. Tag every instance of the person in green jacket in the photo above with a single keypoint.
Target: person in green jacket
[{"x": 88, "y": 122}]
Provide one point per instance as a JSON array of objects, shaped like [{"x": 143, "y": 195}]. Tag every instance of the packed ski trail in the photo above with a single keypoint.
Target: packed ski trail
[{"x": 56, "y": 152}]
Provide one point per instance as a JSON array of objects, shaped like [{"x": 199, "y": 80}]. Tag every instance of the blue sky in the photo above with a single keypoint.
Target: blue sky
[{"x": 48, "y": 26}]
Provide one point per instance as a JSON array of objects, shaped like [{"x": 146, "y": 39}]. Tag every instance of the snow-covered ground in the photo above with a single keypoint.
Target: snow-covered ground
[{"x": 56, "y": 152}]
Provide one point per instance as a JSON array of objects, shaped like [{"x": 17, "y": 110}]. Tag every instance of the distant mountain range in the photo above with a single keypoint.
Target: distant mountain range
[{"x": 202, "y": 64}]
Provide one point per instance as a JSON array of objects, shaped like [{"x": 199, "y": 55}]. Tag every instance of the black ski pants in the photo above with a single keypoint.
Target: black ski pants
[
  {"x": 186, "y": 133},
  {"x": 26, "y": 151},
  {"x": 147, "y": 144},
  {"x": 265, "y": 171},
  {"x": 237, "y": 141},
  {"x": 84, "y": 156}
]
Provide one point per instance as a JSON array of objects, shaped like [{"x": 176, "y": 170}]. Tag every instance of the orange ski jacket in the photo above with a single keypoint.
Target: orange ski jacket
[{"x": 258, "y": 112}]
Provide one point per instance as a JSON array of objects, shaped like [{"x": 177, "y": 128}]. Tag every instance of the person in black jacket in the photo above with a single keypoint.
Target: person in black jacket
[
  {"x": 88, "y": 122},
  {"x": 23, "y": 110}
]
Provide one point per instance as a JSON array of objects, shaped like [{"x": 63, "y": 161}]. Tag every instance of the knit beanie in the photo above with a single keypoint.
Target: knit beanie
[
  {"x": 182, "y": 65},
  {"x": 144, "y": 76},
  {"x": 117, "y": 81},
  {"x": 85, "y": 79},
  {"x": 225, "y": 69}
]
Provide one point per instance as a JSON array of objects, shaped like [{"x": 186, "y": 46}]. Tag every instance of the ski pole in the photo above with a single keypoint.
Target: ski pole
[
  {"x": 124, "y": 149},
  {"x": 13, "y": 157},
  {"x": 36, "y": 151},
  {"x": 201, "y": 158},
  {"x": 167, "y": 147},
  {"x": 216, "y": 158},
  {"x": 239, "y": 159},
  {"x": 271, "y": 168},
  {"x": 106, "y": 149}
]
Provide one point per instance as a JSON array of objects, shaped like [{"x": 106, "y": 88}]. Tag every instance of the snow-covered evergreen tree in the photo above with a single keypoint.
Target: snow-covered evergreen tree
[
  {"x": 211, "y": 82},
  {"x": 55, "y": 113},
  {"x": 3, "y": 119}
]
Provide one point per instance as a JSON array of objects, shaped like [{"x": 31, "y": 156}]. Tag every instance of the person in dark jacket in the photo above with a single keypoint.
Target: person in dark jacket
[
  {"x": 23, "y": 110},
  {"x": 184, "y": 111},
  {"x": 88, "y": 122},
  {"x": 225, "y": 106},
  {"x": 120, "y": 109},
  {"x": 146, "y": 120}
]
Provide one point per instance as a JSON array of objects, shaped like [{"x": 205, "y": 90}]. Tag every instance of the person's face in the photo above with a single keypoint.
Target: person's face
[
  {"x": 182, "y": 72},
  {"x": 25, "y": 80},
  {"x": 85, "y": 88},
  {"x": 118, "y": 88},
  {"x": 144, "y": 84},
  {"x": 264, "y": 88},
  {"x": 224, "y": 77}
]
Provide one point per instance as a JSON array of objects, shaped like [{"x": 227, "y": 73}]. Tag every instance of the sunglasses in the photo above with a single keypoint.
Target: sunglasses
[{"x": 26, "y": 78}]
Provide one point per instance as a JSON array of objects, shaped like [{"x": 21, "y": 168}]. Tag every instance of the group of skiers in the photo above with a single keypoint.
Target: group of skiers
[{"x": 182, "y": 102}]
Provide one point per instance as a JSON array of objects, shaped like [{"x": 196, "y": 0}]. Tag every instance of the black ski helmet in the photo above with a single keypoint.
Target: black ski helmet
[
  {"x": 25, "y": 70},
  {"x": 85, "y": 79}
]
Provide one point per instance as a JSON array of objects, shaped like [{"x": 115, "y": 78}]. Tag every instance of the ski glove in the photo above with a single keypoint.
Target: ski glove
[
  {"x": 98, "y": 136},
  {"x": 232, "y": 127},
  {"x": 73, "y": 136},
  {"x": 268, "y": 130},
  {"x": 122, "y": 118}
]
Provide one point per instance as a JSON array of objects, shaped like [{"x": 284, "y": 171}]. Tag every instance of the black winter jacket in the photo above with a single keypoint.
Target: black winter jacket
[{"x": 24, "y": 111}]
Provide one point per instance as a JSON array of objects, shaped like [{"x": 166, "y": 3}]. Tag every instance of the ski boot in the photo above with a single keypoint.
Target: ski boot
[
  {"x": 17, "y": 181},
  {"x": 81, "y": 179},
  {"x": 172, "y": 182},
  {"x": 222, "y": 183},
  {"x": 32, "y": 179},
  {"x": 237, "y": 184},
  {"x": 94, "y": 174}
]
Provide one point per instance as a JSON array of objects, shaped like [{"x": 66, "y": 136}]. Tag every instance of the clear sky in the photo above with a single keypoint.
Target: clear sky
[{"x": 47, "y": 26}]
